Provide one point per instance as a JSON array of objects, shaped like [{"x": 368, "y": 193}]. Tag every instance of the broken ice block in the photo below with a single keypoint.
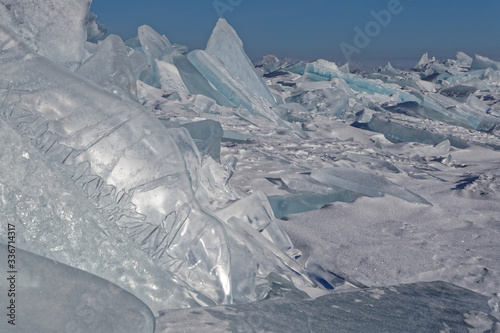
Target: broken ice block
[
  {"x": 256, "y": 211},
  {"x": 47, "y": 296}
]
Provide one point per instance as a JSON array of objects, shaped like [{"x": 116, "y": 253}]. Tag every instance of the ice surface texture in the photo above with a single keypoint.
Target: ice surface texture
[
  {"x": 55, "y": 218},
  {"x": 53, "y": 297},
  {"x": 142, "y": 178},
  {"x": 56, "y": 29},
  {"x": 422, "y": 307},
  {"x": 123, "y": 158}
]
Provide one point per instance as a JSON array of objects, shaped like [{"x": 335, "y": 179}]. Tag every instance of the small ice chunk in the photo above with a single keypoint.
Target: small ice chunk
[
  {"x": 79, "y": 301},
  {"x": 95, "y": 30}
]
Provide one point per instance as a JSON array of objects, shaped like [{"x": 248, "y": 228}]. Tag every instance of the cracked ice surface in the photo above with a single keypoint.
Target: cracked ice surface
[{"x": 116, "y": 152}]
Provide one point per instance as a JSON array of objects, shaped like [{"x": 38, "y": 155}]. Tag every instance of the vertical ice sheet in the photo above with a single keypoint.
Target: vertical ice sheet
[
  {"x": 170, "y": 69},
  {"x": 110, "y": 68},
  {"x": 123, "y": 159},
  {"x": 53, "y": 297},
  {"x": 225, "y": 44},
  {"x": 56, "y": 29}
]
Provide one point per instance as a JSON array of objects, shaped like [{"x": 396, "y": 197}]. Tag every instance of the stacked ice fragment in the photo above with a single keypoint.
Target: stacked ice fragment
[{"x": 117, "y": 192}]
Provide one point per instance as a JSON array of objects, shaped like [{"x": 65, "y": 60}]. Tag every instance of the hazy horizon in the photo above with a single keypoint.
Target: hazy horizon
[{"x": 365, "y": 32}]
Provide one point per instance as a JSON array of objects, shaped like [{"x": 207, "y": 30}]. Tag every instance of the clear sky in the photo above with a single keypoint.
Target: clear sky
[{"x": 371, "y": 32}]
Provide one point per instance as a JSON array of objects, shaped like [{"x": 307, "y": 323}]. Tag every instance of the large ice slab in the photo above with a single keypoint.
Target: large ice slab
[
  {"x": 123, "y": 159},
  {"x": 226, "y": 45},
  {"x": 419, "y": 307},
  {"x": 233, "y": 89},
  {"x": 55, "y": 218},
  {"x": 56, "y": 29},
  {"x": 79, "y": 301}
]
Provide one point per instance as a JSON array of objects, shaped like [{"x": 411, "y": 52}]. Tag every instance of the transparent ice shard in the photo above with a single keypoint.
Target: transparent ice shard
[
  {"x": 331, "y": 101},
  {"x": 262, "y": 270},
  {"x": 256, "y": 212},
  {"x": 79, "y": 301},
  {"x": 170, "y": 69},
  {"x": 366, "y": 183},
  {"x": 225, "y": 45},
  {"x": 159, "y": 53},
  {"x": 286, "y": 204},
  {"x": 123, "y": 159},
  {"x": 233, "y": 89},
  {"x": 207, "y": 135},
  {"x": 110, "y": 68},
  {"x": 56, "y": 29}
]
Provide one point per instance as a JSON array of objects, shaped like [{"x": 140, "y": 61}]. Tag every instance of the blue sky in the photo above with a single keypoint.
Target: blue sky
[{"x": 328, "y": 29}]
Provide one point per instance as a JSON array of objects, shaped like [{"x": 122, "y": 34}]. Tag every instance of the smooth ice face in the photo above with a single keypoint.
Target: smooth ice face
[
  {"x": 423, "y": 307},
  {"x": 110, "y": 68},
  {"x": 123, "y": 159},
  {"x": 365, "y": 183},
  {"x": 53, "y": 297},
  {"x": 207, "y": 135},
  {"x": 56, "y": 29},
  {"x": 226, "y": 45},
  {"x": 233, "y": 89}
]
